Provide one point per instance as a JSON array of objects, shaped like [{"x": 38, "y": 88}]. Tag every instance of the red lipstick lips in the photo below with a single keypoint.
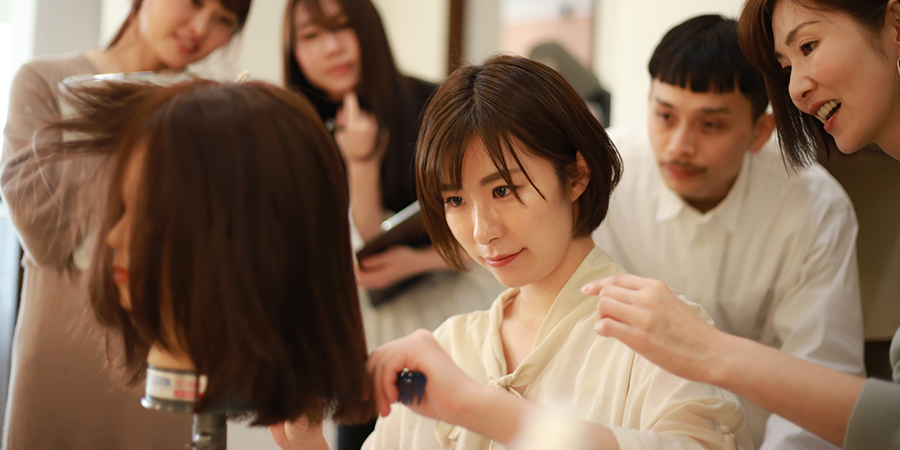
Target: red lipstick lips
[
  {"x": 120, "y": 275},
  {"x": 502, "y": 260}
]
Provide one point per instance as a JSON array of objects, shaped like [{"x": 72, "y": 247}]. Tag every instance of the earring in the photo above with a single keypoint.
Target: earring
[{"x": 898, "y": 65}]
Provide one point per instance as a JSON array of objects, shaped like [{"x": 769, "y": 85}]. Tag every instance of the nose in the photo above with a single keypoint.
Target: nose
[
  {"x": 799, "y": 88},
  {"x": 200, "y": 24},
  {"x": 114, "y": 237},
  {"x": 488, "y": 225},
  {"x": 681, "y": 142},
  {"x": 332, "y": 42}
]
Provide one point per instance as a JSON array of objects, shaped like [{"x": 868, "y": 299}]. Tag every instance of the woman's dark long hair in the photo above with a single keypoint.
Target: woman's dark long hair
[
  {"x": 383, "y": 90},
  {"x": 239, "y": 7},
  {"x": 241, "y": 243},
  {"x": 799, "y": 134}
]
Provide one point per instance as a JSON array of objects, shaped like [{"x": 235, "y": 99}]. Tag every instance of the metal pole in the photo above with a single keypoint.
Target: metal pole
[{"x": 210, "y": 432}]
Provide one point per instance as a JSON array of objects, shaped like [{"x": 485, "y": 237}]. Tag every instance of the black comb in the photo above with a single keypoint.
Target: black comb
[{"x": 411, "y": 386}]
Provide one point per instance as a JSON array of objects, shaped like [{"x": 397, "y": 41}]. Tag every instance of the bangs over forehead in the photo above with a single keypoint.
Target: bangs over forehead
[
  {"x": 499, "y": 145},
  {"x": 328, "y": 14},
  {"x": 702, "y": 54},
  {"x": 511, "y": 104},
  {"x": 239, "y": 7}
]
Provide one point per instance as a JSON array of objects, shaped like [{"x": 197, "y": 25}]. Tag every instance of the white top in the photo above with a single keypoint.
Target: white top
[
  {"x": 578, "y": 373},
  {"x": 775, "y": 261}
]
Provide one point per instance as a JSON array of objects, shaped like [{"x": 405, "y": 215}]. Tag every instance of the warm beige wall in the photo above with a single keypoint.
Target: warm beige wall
[
  {"x": 416, "y": 29},
  {"x": 626, "y": 34}
]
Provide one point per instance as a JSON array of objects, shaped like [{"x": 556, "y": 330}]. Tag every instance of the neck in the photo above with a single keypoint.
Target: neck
[
  {"x": 535, "y": 299},
  {"x": 130, "y": 54},
  {"x": 703, "y": 205},
  {"x": 707, "y": 204},
  {"x": 889, "y": 140},
  {"x": 169, "y": 359}
]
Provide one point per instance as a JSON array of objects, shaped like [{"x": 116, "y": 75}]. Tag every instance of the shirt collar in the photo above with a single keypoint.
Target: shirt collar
[{"x": 671, "y": 205}]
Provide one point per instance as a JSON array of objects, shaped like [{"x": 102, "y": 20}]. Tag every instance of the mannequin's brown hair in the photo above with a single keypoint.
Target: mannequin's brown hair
[{"x": 241, "y": 243}]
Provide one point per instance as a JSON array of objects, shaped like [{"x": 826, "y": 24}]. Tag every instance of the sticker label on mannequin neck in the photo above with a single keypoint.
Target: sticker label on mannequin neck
[{"x": 176, "y": 385}]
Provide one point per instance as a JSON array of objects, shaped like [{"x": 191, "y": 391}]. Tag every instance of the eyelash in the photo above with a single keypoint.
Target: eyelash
[
  {"x": 455, "y": 202},
  {"x": 512, "y": 190},
  {"x": 810, "y": 45}
]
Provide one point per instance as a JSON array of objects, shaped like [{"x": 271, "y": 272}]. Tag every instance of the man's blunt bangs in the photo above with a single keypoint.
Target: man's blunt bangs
[{"x": 702, "y": 54}]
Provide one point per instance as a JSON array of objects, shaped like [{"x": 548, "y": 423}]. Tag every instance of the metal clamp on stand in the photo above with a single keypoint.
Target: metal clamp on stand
[
  {"x": 210, "y": 432},
  {"x": 175, "y": 391}
]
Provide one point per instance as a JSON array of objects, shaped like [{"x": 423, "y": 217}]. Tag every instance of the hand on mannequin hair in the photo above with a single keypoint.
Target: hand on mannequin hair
[
  {"x": 648, "y": 317},
  {"x": 298, "y": 435},
  {"x": 396, "y": 264}
]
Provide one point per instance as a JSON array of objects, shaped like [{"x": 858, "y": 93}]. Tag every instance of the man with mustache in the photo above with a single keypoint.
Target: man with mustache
[{"x": 707, "y": 206}]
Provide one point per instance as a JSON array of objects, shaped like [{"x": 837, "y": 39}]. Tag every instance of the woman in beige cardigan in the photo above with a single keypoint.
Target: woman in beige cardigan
[{"x": 60, "y": 395}]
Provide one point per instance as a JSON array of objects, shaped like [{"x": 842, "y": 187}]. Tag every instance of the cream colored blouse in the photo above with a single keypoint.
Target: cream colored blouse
[{"x": 581, "y": 374}]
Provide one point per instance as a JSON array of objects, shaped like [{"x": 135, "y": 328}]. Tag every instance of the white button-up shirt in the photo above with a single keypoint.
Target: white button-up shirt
[{"x": 774, "y": 262}]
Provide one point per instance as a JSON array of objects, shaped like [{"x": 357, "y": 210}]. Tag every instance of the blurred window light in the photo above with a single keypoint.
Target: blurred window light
[{"x": 526, "y": 24}]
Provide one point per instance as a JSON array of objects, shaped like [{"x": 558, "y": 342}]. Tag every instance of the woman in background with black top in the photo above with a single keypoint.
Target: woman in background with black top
[{"x": 337, "y": 54}]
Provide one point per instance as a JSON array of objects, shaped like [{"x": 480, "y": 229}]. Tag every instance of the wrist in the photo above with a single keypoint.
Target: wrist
[
  {"x": 473, "y": 401},
  {"x": 723, "y": 363},
  {"x": 429, "y": 259},
  {"x": 316, "y": 441}
]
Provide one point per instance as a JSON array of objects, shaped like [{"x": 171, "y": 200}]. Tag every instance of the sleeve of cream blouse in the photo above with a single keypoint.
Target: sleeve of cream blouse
[
  {"x": 402, "y": 429},
  {"x": 41, "y": 196},
  {"x": 663, "y": 411}
]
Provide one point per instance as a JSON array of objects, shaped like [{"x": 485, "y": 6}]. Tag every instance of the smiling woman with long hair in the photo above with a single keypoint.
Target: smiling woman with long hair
[
  {"x": 60, "y": 395},
  {"x": 832, "y": 72}
]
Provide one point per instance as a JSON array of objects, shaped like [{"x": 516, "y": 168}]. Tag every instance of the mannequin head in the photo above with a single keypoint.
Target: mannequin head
[{"x": 226, "y": 223}]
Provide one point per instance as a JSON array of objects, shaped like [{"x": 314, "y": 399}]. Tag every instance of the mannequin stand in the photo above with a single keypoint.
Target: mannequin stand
[{"x": 174, "y": 391}]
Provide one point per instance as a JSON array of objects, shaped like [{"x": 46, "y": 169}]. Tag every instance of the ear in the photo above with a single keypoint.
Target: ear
[
  {"x": 582, "y": 177},
  {"x": 892, "y": 22},
  {"x": 762, "y": 131}
]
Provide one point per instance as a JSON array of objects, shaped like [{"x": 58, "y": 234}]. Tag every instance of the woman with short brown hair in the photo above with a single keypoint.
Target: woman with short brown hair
[{"x": 513, "y": 169}]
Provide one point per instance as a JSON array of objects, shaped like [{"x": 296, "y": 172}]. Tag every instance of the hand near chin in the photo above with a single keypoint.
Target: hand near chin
[
  {"x": 357, "y": 134},
  {"x": 447, "y": 389},
  {"x": 650, "y": 319},
  {"x": 298, "y": 435},
  {"x": 388, "y": 267}
]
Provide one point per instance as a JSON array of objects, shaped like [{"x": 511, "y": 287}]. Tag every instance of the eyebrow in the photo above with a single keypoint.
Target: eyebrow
[
  {"x": 484, "y": 181},
  {"x": 496, "y": 176},
  {"x": 722, "y": 110}
]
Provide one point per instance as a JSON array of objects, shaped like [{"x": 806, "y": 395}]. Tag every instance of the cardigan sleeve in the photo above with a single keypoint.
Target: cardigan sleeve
[
  {"x": 875, "y": 421},
  {"x": 41, "y": 192}
]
